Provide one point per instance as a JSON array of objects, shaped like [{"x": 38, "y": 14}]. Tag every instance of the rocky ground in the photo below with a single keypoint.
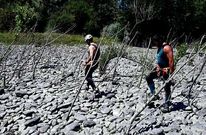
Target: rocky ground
[{"x": 41, "y": 105}]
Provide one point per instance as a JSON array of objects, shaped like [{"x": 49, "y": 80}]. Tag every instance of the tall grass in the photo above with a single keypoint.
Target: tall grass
[
  {"x": 181, "y": 52},
  {"x": 41, "y": 38},
  {"x": 110, "y": 53}
]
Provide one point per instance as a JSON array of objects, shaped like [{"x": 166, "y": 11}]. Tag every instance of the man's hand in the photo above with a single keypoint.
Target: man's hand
[
  {"x": 158, "y": 70},
  {"x": 90, "y": 62},
  {"x": 166, "y": 71},
  {"x": 83, "y": 63}
]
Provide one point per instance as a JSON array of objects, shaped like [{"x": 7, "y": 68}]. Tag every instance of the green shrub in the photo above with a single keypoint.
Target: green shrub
[
  {"x": 24, "y": 15},
  {"x": 181, "y": 51},
  {"x": 112, "y": 30},
  {"x": 110, "y": 53},
  {"x": 76, "y": 13}
]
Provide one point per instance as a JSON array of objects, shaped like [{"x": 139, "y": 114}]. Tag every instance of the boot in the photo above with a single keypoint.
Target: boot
[{"x": 165, "y": 108}]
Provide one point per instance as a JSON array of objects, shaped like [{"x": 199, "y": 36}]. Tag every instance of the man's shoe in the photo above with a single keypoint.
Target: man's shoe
[
  {"x": 172, "y": 82},
  {"x": 87, "y": 88},
  {"x": 97, "y": 93},
  {"x": 165, "y": 108},
  {"x": 151, "y": 105}
]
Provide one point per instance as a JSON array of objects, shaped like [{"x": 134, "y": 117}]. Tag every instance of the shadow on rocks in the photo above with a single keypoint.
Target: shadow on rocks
[
  {"x": 178, "y": 106},
  {"x": 106, "y": 94},
  {"x": 109, "y": 94},
  {"x": 172, "y": 106}
]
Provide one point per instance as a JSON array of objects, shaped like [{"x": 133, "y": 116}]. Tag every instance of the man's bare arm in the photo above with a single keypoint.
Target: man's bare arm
[
  {"x": 169, "y": 53},
  {"x": 91, "y": 55},
  {"x": 91, "y": 52}
]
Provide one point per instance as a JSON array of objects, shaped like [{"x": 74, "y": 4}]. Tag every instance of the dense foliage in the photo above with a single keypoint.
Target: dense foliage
[{"x": 143, "y": 18}]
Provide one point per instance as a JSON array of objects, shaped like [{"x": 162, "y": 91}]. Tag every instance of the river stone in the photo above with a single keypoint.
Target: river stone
[
  {"x": 84, "y": 109},
  {"x": 54, "y": 130},
  {"x": 116, "y": 112},
  {"x": 43, "y": 127},
  {"x": 37, "y": 133},
  {"x": 28, "y": 112},
  {"x": 4, "y": 96},
  {"x": 89, "y": 123},
  {"x": 32, "y": 129},
  {"x": 2, "y": 114},
  {"x": 156, "y": 131},
  {"x": 33, "y": 121},
  {"x": 71, "y": 127},
  {"x": 105, "y": 110},
  {"x": 79, "y": 117},
  {"x": 22, "y": 93},
  {"x": 25, "y": 132},
  {"x": 87, "y": 104}
]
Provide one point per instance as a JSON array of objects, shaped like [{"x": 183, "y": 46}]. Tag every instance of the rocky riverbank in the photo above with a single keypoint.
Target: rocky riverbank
[{"x": 41, "y": 105}]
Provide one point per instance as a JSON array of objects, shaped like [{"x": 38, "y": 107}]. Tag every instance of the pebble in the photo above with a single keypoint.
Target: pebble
[
  {"x": 28, "y": 112},
  {"x": 105, "y": 110},
  {"x": 75, "y": 126},
  {"x": 43, "y": 127},
  {"x": 2, "y": 114},
  {"x": 79, "y": 117},
  {"x": 89, "y": 123},
  {"x": 33, "y": 121}
]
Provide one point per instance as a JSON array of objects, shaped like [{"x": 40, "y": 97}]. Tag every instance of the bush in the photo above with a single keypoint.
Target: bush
[
  {"x": 76, "y": 13},
  {"x": 25, "y": 17},
  {"x": 110, "y": 53},
  {"x": 62, "y": 21},
  {"x": 112, "y": 30},
  {"x": 181, "y": 51}
]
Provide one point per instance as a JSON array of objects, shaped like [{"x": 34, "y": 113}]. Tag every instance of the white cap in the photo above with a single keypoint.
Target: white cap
[{"x": 88, "y": 37}]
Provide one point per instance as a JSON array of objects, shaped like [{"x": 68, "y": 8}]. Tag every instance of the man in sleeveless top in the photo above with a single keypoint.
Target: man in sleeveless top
[
  {"x": 91, "y": 62},
  {"x": 164, "y": 67}
]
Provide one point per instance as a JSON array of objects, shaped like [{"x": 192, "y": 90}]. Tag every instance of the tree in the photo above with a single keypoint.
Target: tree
[
  {"x": 139, "y": 14},
  {"x": 147, "y": 18},
  {"x": 74, "y": 12},
  {"x": 89, "y": 16},
  {"x": 105, "y": 13}
]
